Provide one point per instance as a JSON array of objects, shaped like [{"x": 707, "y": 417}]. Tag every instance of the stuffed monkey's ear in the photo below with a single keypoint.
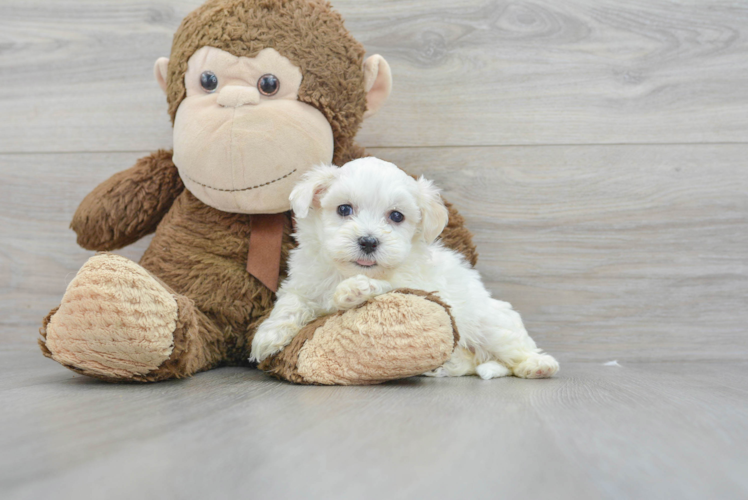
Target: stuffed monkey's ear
[
  {"x": 160, "y": 71},
  {"x": 310, "y": 189},
  {"x": 434, "y": 215},
  {"x": 377, "y": 83}
]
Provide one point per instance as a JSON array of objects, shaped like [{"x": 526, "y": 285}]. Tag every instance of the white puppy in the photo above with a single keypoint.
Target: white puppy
[{"x": 368, "y": 228}]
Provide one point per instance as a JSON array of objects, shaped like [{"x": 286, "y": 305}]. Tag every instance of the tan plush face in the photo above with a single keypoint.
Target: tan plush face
[{"x": 242, "y": 141}]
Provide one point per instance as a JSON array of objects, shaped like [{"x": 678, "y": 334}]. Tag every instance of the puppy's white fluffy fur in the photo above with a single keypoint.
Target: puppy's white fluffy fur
[{"x": 330, "y": 270}]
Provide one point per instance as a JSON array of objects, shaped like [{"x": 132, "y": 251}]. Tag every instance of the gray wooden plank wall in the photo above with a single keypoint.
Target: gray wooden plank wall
[{"x": 597, "y": 148}]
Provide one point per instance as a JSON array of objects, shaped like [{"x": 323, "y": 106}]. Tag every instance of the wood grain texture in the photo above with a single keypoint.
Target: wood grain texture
[
  {"x": 628, "y": 252},
  {"x": 644, "y": 431},
  {"x": 77, "y": 74}
]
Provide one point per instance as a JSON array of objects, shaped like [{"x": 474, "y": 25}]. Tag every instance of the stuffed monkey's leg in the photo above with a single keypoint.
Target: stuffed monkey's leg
[
  {"x": 396, "y": 335},
  {"x": 119, "y": 323}
]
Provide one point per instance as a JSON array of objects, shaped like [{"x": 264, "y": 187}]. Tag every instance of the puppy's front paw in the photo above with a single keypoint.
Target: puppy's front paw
[
  {"x": 268, "y": 341},
  {"x": 357, "y": 290},
  {"x": 537, "y": 366}
]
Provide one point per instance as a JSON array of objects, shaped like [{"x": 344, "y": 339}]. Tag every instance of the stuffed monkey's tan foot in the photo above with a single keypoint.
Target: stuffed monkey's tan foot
[
  {"x": 115, "y": 322},
  {"x": 396, "y": 335}
]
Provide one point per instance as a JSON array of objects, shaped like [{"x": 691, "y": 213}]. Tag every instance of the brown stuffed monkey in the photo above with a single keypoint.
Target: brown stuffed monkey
[{"x": 259, "y": 91}]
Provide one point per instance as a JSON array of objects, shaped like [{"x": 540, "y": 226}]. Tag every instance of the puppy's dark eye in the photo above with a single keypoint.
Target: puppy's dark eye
[
  {"x": 396, "y": 217},
  {"x": 345, "y": 210},
  {"x": 209, "y": 81},
  {"x": 268, "y": 85}
]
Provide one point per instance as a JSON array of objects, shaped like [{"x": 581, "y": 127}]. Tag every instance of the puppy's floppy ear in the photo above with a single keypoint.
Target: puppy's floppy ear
[
  {"x": 434, "y": 215},
  {"x": 312, "y": 186}
]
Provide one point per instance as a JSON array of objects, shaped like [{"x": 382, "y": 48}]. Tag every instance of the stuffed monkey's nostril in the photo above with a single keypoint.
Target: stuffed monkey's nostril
[{"x": 368, "y": 244}]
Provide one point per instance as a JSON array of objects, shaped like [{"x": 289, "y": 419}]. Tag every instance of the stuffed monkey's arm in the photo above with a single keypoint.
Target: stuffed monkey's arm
[
  {"x": 457, "y": 237},
  {"x": 128, "y": 205}
]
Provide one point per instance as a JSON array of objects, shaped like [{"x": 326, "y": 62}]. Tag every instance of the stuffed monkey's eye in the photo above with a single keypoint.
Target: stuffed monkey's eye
[
  {"x": 268, "y": 85},
  {"x": 209, "y": 81},
  {"x": 345, "y": 210},
  {"x": 396, "y": 217}
]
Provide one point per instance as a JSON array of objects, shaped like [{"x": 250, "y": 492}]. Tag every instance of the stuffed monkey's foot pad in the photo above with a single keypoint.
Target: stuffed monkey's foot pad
[
  {"x": 115, "y": 321},
  {"x": 396, "y": 335}
]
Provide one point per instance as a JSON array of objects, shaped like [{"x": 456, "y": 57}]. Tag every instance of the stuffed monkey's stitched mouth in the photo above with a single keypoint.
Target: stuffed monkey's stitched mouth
[{"x": 243, "y": 189}]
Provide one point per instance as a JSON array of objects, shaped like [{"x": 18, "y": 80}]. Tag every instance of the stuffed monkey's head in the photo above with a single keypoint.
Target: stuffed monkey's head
[{"x": 259, "y": 92}]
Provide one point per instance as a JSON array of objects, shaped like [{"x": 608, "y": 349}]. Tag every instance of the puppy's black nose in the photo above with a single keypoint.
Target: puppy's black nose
[{"x": 368, "y": 244}]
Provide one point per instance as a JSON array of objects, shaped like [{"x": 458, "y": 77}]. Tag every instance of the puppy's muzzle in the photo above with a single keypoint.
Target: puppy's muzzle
[{"x": 368, "y": 244}]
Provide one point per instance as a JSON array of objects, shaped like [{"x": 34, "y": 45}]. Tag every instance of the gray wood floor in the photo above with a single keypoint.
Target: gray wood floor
[
  {"x": 597, "y": 148},
  {"x": 638, "y": 430}
]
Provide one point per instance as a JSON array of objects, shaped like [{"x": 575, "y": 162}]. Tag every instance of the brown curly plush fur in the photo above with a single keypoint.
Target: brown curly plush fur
[{"x": 199, "y": 253}]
